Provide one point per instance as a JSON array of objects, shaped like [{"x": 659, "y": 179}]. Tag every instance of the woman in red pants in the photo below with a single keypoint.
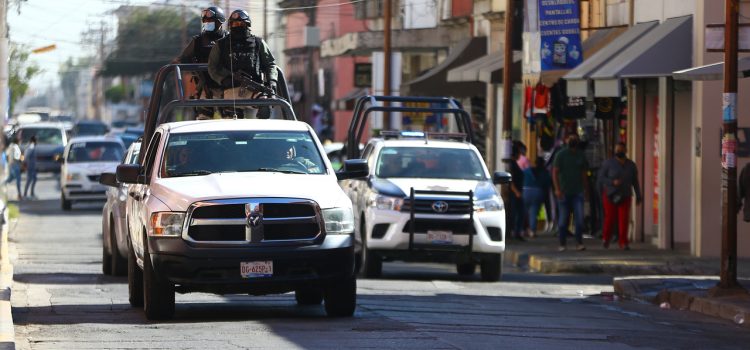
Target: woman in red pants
[{"x": 617, "y": 180}]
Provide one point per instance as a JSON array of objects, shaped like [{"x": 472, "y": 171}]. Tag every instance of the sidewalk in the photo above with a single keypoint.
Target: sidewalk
[{"x": 665, "y": 278}]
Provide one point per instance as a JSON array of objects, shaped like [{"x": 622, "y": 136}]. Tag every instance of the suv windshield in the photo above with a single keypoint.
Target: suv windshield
[
  {"x": 95, "y": 152},
  {"x": 429, "y": 162},
  {"x": 44, "y": 136},
  {"x": 204, "y": 153}
]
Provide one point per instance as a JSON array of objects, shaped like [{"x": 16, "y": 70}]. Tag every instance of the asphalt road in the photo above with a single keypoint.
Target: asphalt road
[{"x": 62, "y": 301}]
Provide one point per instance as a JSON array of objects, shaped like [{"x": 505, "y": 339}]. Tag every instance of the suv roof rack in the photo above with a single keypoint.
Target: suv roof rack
[
  {"x": 425, "y": 135},
  {"x": 361, "y": 113}
]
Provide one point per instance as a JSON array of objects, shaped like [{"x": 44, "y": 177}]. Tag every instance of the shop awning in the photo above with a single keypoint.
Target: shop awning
[
  {"x": 434, "y": 82},
  {"x": 713, "y": 71},
  {"x": 578, "y": 78},
  {"x": 658, "y": 53},
  {"x": 487, "y": 69}
]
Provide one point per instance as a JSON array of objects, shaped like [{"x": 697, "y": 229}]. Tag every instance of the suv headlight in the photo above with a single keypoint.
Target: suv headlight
[
  {"x": 494, "y": 203},
  {"x": 166, "y": 224},
  {"x": 338, "y": 221},
  {"x": 74, "y": 177},
  {"x": 385, "y": 202}
]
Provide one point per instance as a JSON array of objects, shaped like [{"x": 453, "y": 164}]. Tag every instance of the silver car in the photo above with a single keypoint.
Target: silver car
[{"x": 114, "y": 224}]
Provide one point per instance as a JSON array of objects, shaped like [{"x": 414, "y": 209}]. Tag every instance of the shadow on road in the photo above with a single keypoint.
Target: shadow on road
[
  {"x": 67, "y": 278},
  {"x": 44, "y": 207}
]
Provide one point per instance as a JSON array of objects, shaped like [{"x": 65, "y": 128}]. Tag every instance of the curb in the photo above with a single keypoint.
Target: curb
[
  {"x": 7, "y": 333},
  {"x": 735, "y": 309}
]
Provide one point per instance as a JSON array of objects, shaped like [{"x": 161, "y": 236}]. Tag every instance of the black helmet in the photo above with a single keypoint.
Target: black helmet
[
  {"x": 214, "y": 12},
  {"x": 240, "y": 16}
]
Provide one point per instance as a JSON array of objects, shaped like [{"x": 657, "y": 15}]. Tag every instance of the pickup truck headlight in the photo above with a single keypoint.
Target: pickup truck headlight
[
  {"x": 166, "y": 224},
  {"x": 385, "y": 202},
  {"x": 492, "y": 204},
  {"x": 74, "y": 177},
  {"x": 338, "y": 221}
]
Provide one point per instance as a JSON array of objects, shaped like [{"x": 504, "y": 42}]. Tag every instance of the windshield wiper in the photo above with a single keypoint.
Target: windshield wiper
[
  {"x": 193, "y": 173},
  {"x": 280, "y": 171}
]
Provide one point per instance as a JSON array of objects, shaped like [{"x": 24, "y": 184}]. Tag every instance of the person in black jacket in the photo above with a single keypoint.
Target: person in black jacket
[
  {"x": 744, "y": 188},
  {"x": 197, "y": 51}
]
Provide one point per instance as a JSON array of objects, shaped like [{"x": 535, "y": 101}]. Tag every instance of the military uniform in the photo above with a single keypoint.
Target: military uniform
[
  {"x": 247, "y": 53},
  {"x": 197, "y": 51}
]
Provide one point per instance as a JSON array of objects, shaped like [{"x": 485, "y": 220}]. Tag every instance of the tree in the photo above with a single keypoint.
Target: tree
[
  {"x": 148, "y": 39},
  {"x": 21, "y": 71}
]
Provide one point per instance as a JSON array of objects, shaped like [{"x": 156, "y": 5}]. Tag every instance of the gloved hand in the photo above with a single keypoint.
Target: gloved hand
[{"x": 273, "y": 85}]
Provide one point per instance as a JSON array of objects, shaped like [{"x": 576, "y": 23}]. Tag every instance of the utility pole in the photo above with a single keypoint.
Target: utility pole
[
  {"x": 507, "y": 143},
  {"x": 387, "y": 60},
  {"x": 99, "y": 108},
  {"x": 265, "y": 19},
  {"x": 728, "y": 282},
  {"x": 4, "y": 69}
]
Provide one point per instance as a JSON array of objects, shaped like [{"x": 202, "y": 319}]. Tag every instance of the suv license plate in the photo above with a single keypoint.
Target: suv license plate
[
  {"x": 440, "y": 237},
  {"x": 256, "y": 269}
]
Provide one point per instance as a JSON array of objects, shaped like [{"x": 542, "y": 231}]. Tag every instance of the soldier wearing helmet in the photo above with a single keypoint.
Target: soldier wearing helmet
[
  {"x": 197, "y": 51},
  {"x": 241, "y": 51}
]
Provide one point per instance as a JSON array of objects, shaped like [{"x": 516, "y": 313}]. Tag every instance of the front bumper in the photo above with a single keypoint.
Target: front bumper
[
  {"x": 396, "y": 237},
  {"x": 84, "y": 191},
  {"x": 217, "y": 269}
]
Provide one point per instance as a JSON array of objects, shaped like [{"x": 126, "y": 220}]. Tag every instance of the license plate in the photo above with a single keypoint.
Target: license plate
[
  {"x": 256, "y": 269},
  {"x": 440, "y": 237}
]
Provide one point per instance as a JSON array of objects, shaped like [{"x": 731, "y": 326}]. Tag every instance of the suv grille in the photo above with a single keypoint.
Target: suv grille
[
  {"x": 254, "y": 221},
  {"x": 425, "y": 206}
]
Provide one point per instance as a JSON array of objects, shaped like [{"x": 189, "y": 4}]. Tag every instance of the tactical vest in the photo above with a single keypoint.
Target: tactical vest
[
  {"x": 204, "y": 42},
  {"x": 243, "y": 56}
]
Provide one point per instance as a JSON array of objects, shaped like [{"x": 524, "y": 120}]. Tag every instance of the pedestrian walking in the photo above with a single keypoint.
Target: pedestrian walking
[
  {"x": 517, "y": 209},
  {"x": 29, "y": 157},
  {"x": 617, "y": 180},
  {"x": 744, "y": 188},
  {"x": 536, "y": 184},
  {"x": 571, "y": 182},
  {"x": 14, "y": 156}
]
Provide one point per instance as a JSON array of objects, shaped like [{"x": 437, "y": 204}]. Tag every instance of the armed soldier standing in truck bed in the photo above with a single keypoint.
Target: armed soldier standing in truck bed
[
  {"x": 197, "y": 51},
  {"x": 242, "y": 56}
]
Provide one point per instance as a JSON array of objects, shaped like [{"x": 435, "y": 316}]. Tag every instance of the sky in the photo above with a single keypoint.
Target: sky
[{"x": 61, "y": 22}]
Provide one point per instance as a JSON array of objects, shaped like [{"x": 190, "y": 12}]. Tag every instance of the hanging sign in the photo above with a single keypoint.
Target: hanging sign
[{"x": 560, "y": 29}]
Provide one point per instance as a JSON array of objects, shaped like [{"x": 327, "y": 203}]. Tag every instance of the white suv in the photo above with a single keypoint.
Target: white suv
[
  {"x": 84, "y": 160},
  {"x": 428, "y": 200},
  {"x": 238, "y": 206}
]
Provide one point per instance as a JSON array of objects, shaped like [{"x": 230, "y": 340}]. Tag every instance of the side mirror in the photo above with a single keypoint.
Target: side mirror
[
  {"x": 354, "y": 168},
  {"x": 109, "y": 179},
  {"x": 128, "y": 173},
  {"x": 501, "y": 178}
]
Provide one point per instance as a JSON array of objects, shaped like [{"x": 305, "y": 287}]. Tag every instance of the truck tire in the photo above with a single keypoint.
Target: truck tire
[
  {"x": 308, "y": 296},
  {"x": 118, "y": 264},
  {"x": 65, "y": 204},
  {"x": 492, "y": 267},
  {"x": 466, "y": 269},
  {"x": 106, "y": 261},
  {"x": 372, "y": 263},
  {"x": 341, "y": 298},
  {"x": 158, "y": 292},
  {"x": 135, "y": 280}
]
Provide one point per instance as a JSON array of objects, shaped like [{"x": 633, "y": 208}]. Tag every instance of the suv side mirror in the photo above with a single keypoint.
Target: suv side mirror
[
  {"x": 128, "y": 173},
  {"x": 353, "y": 168},
  {"x": 109, "y": 179},
  {"x": 501, "y": 178}
]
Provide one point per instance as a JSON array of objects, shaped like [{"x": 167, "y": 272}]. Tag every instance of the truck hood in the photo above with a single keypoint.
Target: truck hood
[
  {"x": 482, "y": 188},
  {"x": 180, "y": 192},
  {"x": 92, "y": 168}
]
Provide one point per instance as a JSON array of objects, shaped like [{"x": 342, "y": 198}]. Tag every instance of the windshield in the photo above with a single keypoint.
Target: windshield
[
  {"x": 204, "y": 153},
  {"x": 429, "y": 162},
  {"x": 90, "y": 129},
  {"x": 95, "y": 152},
  {"x": 44, "y": 136}
]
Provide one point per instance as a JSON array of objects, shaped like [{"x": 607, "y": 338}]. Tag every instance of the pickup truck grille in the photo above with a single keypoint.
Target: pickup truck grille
[
  {"x": 425, "y": 206},
  {"x": 254, "y": 221}
]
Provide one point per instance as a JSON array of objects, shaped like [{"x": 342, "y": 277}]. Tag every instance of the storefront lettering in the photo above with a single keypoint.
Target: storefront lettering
[{"x": 559, "y": 27}]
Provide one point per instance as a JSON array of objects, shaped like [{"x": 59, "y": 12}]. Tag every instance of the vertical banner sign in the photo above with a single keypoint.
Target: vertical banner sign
[
  {"x": 729, "y": 141},
  {"x": 560, "y": 28}
]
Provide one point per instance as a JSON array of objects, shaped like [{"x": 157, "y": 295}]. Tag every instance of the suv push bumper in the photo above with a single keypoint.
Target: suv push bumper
[{"x": 217, "y": 269}]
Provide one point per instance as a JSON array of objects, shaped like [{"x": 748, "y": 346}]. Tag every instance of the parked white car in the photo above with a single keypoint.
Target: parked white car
[
  {"x": 114, "y": 222},
  {"x": 238, "y": 206},
  {"x": 83, "y": 162},
  {"x": 429, "y": 200}
]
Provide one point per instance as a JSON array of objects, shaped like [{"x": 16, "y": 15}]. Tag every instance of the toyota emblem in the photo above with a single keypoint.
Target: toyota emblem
[{"x": 440, "y": 207}]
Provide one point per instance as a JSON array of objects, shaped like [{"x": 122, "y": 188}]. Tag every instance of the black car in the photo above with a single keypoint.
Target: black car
[{"x": 90, "y": 128}]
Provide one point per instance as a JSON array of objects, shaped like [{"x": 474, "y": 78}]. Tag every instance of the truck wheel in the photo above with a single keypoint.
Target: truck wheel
[
  {"x": 118, "y": 265},
  {"x": 492, "y": 267},
  {"x": 308, "y": 296},
  {"x": 65, "y": 204},
  {"x": 372, "y": 263},
  {"x": 158, "y": 292},
  {"x": 466, "y": 269},
  {"x": 341, "y": 297},
  {"x": 135, "y": 280},
  {"x": 106, "y": 260}
]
